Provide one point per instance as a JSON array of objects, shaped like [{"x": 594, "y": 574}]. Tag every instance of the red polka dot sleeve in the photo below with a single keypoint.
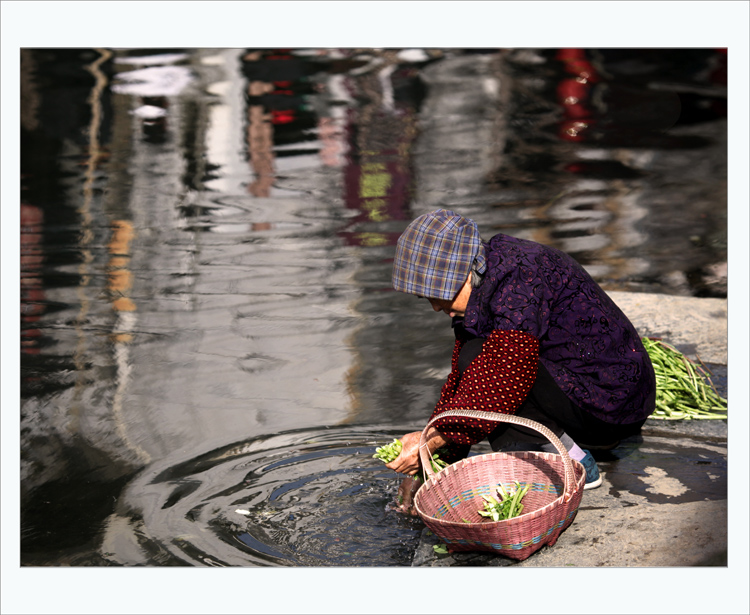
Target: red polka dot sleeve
[{"x": 498, "y": 380}]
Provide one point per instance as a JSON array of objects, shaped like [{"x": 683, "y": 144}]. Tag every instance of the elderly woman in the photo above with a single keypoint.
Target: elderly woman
[{"x": 535, "y": 337}]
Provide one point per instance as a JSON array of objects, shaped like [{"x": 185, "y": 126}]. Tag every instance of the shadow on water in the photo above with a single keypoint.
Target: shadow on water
[{"x": 304, "y": 498}]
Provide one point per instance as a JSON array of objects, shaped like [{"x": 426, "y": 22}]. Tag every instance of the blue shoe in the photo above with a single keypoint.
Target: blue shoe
[{"x": 593, "y": 478}]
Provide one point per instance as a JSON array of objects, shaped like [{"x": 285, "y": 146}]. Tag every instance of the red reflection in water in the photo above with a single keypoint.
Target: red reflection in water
[
  {"x": 574, "y": 94},
  {"x": 32, "y": 291}
]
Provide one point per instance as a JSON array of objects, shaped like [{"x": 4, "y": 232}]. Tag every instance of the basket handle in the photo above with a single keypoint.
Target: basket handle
[{"x": 425, "y": 455}]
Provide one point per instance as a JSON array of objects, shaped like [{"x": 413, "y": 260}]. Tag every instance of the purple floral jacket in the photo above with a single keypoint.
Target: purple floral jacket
[{"x": 585, "y": 341}]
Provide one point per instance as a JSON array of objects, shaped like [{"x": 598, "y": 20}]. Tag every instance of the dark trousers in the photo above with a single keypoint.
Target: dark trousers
[{"x": 549, "y": 405}]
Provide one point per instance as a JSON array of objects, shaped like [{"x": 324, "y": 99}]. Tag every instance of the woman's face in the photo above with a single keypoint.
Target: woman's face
[{"x": 456, "y": 306}]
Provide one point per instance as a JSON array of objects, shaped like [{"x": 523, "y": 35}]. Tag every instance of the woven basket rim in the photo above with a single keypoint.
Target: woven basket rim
[
  {"x": 524, "y": 517},
  {"x": 568, "y": 466}
]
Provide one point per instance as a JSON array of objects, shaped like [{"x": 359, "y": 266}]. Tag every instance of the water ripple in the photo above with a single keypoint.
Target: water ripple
[{"x": 298, "y": 498}]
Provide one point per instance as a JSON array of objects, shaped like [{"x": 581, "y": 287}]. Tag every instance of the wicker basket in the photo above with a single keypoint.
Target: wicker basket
[{"x": 449, "y": 501}]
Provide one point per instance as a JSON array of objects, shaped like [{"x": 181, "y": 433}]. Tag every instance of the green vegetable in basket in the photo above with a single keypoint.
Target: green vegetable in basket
[
  {"x": 437, "y": 463},
  {"x": 508, "y": 506},
  {"x": 683, "y": 389}
]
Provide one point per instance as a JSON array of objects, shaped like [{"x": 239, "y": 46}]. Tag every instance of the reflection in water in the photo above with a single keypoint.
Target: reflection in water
[
  {"x": 277, "y": 113},
  {"x": 304, "y": 498},
  {"x": 32, "y": 290},
  {"x": 260, "y": 142},
  {"x": 95, "y": 155},
  {"x": 120, "y": 285},
  {"x": 579, "y": 163},
  {"x": 206, "y": 248},
  {"x": 378, "y": 182},
  {"x": 32, "y": 226}
]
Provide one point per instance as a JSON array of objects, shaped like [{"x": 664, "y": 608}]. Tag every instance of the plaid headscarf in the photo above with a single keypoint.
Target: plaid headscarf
[{"x": 435, "y": 253}]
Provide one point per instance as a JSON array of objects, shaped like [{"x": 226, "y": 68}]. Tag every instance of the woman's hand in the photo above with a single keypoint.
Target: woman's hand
[{"x": 408, "y": 461}]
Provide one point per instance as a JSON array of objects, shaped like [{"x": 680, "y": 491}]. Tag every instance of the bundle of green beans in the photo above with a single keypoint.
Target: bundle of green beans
[
  {"x": 508, "y": 506},
  {"x": 389, "y": 452},
  {"x": 684, "y": 389}
]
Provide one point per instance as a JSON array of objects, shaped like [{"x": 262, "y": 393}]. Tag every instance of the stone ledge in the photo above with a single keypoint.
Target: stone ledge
[{"x": 696, "y": 326}]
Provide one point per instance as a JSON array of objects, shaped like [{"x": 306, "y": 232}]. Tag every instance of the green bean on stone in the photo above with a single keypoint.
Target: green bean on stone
[{"x": 683, "y": 389}]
